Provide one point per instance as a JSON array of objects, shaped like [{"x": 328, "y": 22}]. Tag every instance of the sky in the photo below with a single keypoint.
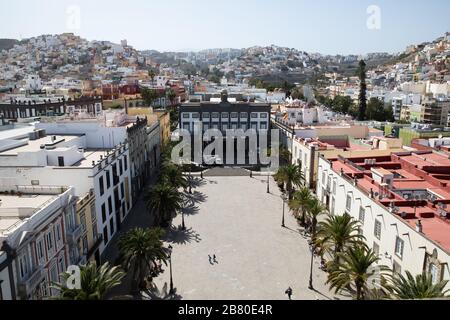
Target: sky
[{"x": 325, "y": 26}]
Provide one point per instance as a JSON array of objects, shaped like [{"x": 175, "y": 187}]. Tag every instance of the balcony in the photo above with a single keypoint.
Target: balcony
[
  {"x": 74, "y": 234},
  {"x": 28, "y": 285}
]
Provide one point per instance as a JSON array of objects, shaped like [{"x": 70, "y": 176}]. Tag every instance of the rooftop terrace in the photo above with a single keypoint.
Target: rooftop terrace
[{"x": 419, "y": 190}]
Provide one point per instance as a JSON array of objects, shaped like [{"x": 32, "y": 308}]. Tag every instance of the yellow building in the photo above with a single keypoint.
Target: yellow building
[
  {"x": 162, "y": 116},
  {"x": 89, "y": 240}
]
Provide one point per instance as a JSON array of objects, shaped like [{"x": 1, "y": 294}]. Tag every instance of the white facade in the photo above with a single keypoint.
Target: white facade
[
  {"x": 107, "y": 172},
  {"x": 398, "y": 244},
  {"x": 40, "y": 227}
]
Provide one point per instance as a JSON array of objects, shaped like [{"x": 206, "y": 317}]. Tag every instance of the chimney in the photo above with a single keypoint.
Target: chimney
[{"x": 419, "y": 227}]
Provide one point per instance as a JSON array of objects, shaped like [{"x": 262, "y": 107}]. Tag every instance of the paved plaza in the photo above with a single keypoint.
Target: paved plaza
[{"x": 235, "y": 219}]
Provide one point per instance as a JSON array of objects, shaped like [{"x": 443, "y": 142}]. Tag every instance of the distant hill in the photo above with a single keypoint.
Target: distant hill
[{"x": 6, "y": 44}]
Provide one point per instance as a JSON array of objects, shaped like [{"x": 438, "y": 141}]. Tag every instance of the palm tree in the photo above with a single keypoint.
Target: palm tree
[
  {"x": 95, "y": 282},
  {"x": 173, "y": 175},
  {"x": 353, "y": 271},
  {"x": 152, "y": 74},
  {"x": 314, "y": 209},
  {"x": 292, "y": 176},
  {"x": 299, "y": 203},
  {"x": 338, "y": 233},
  {"x": 140, "y": 249},
  {"x": 419, "y": 287},
  {"x": 171, "y": 95},
  {"x": 163, "y": 201}
]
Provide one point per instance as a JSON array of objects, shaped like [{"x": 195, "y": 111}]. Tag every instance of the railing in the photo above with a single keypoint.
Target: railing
[
  {"x": 75, "y": 234},
  {"x": 29, "y": 284}
]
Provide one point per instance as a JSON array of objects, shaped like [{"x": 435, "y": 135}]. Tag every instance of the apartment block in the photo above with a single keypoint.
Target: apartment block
[{"x": 401, "y": 203}]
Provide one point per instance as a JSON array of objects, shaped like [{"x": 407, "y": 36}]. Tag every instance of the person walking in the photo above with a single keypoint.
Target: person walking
[
  {"x": 214, "y": 258},
  {"x": 289, "y": 293}
]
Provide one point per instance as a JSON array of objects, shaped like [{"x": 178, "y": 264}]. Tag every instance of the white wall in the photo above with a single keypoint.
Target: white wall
[
  {"x": 392, "y": 226},
  {"x": 97, "y": 136}
]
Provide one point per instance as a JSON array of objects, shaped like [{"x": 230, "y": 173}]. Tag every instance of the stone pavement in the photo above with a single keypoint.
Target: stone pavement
[{"x": 235, "y": 219}]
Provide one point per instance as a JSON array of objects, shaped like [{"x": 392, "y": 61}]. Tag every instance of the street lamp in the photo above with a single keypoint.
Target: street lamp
[
  {"x": 170, "y": 266},
  {"x": 310, "y": 286},
  {"x": 284, "y": 197},
  {"x": 268, "y": 177}
]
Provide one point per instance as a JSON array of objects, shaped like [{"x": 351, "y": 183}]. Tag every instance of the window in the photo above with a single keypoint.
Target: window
[
  {"x": 324, "y": 177},
  {"x": 23, "y": 266},
  {"x": 396, "y": 268},
  {"x": 50, "y": 244},
  {"x": 244, "y": 116},
  {"x": 186, "y": 126},
  {"x": 332, "y": 206},
  {"x": 205, "y": 115},
  {"x": 377, "y": 229},
  {"x": 83, "y": 221},
  {"x": 40, "y": 250},
  {"x": 253, "y": 115},
  {"x": 225, "y": 126},
  {"x": 108, "y": 180},
  {"x": 94, "y": 231},
  {"x": 185, "y": 115},
  {"x": 234, "y": 114},
  {"x": 105, "y": 235},
  {"x": 85, "y": 245},
  {"x": 254, "y": 125},
  {"x": 111, "y": 226},
  {"x": 125, "y": 162},
  {"x": 102, "y": 187},
  {"x": 348, "y": 203},
  {"x": 122, "y": 190},
  {"x": 244, "y": 126},
  {"x": 362, "y": 214},
  {"x": 224, "y": 115},
  {"x": 399, "y": 245},
  {"x": 61, "y": 161},
  {"x": 334, "y": 187},
  {"x": 103, "y": 213},
  {"x": 120, "y": 167},
  {"x": 61, "y": 264},
  {"x": 433, "y": 271},
  {"x": 376, "y": 249},
  {"x": 263, "y": 126},
  {"x": 110, "y": 208},
  {"x": 263, "y": 115},
  {"x": 215, "y": 115},
  {"x": 195, "y": 115}
]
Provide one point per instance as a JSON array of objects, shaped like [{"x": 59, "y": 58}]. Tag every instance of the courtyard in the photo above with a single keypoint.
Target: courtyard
[{"x": 235, "y": 219}]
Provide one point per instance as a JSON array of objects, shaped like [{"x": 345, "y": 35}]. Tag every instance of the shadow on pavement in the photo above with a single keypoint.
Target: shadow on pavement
[
  {"x": 178, "y": 236},
  {"x": 154, "y": 293}
]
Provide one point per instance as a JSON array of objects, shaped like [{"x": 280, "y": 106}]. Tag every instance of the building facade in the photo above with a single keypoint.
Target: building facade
[
  {"x": 38, "y": 232},
  {"x": 400, "y": 202}
]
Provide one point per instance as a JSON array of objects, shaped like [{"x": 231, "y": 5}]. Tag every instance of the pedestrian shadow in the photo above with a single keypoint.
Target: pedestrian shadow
[
  {"x": 179, "y": 236},
  {"x": 154, "y": 293}
]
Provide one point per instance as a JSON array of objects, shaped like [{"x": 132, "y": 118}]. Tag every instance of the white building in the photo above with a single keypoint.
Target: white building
[
  {"x": 401, "y": 210},
  {"x": 45, "y": 160},
  {"x": 38, "y": 233}
]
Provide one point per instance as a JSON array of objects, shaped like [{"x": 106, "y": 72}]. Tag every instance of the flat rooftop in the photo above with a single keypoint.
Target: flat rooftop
[
  {"x": 35, "y": 145},
  {"x": 89, "y": 156},
  {"x": 14, "y": 209},
  {"x": 420, "y": 188}
]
